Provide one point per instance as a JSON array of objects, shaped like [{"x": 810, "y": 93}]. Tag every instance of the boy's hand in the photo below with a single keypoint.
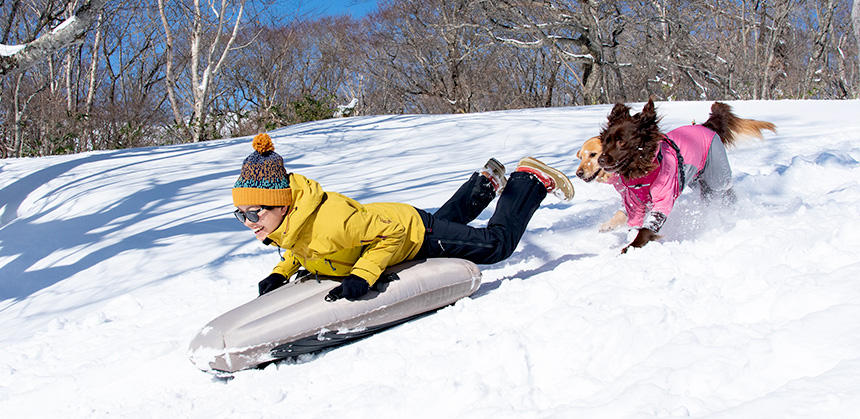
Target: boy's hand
[
  {"x": 351, "y": 287},
  {"x": 271, "y": 283}
]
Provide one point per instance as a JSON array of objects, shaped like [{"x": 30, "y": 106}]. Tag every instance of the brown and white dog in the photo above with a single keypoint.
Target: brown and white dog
[
  {"x": 589, "y": 171},
  {"x": 654, "y": 167}
]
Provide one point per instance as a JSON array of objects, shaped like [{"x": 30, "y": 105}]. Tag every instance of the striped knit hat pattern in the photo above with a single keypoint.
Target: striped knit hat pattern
[{"x": 264, "y": 180}]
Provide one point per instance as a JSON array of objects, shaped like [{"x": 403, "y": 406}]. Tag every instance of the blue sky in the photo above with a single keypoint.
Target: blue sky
[{"x": 355, "y": 8}]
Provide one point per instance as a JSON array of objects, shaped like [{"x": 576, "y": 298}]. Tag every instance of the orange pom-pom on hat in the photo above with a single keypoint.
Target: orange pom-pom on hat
[
  {"x": 264, "y": 180},
  {"x": 263, "y": 143}
]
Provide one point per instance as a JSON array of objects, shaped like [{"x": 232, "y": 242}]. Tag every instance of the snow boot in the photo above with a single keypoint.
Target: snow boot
[
  {"x": 555, "y": 181},
  {"x": 495, "y": 172}
]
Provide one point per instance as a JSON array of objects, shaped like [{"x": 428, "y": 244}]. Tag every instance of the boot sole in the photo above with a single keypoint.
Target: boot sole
[
  {"x": 498, "y": 169},
  {"x": 562, "y": 182}
]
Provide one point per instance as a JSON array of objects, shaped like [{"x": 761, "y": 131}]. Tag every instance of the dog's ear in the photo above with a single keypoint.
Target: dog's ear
[
  {"x": 648, "y": 116},
  {"x": 648, "y": 109},
  {"x": 579, "y": 154},
  {"x": 620, "y": 112}
]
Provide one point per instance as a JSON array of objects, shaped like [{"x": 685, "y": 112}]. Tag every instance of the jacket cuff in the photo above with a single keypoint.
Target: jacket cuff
[
  {"x": 366, "y": 271},
  {"x": 654, "y": 221}
]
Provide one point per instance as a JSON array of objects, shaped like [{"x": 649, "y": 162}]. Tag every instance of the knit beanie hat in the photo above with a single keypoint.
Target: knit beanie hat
[{"x": 264, "y": 180}]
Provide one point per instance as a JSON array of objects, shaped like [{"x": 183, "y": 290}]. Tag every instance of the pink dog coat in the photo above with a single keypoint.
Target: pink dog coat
[{"x": 703, "y": 159}]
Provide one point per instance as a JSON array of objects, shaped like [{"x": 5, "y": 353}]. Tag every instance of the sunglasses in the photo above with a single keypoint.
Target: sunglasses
[{"x": 250, "y": 215}]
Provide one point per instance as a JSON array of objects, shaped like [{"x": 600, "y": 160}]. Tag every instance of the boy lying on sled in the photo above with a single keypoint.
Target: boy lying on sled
[{"x": 330, "y": 234}]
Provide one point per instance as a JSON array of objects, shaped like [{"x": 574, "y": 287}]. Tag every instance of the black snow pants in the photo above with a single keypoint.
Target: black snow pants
[{"x": 448, "y": 235}]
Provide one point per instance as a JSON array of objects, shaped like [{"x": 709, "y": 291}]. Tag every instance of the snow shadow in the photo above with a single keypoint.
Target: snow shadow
[
  {"x": 549, "y": 266},
  {"x": 14, "y": 194},
  {"x": 25, "y": 241}
]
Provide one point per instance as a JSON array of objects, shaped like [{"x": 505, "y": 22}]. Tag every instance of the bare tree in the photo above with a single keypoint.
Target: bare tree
[
  {"x": 210, "y": 39},
  {"x": 584, "y": 35},
  {"x": 24, "y": 26},
  {"x": 20, "y": 102},
  {"x": 188, "y": 70},
  {"x": 70, "y": 32},
  {"x": 260, "y": 77},
  {"x": 432, "y": 53},
  {"x": 91, "y": 88},
  {"x": 97, "y": 94},
  {"x": 285, "y": 69},
  {"x": 770, "y": 47},
  {"x": 855, "y": 19},
  {"x": 128, "y": 108},
  {"x": 821, "y": 32}
]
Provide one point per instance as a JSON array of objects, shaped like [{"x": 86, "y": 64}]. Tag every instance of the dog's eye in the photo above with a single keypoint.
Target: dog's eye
[{"x": 592, "y": 154}]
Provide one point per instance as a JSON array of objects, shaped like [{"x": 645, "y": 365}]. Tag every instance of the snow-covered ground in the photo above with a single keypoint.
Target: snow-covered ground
[{"x": 110, "y": 262}]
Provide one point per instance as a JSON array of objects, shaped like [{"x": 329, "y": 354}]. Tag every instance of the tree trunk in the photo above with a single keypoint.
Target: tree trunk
[
  {"x": 16, "y": 106},
  {"x": 770, "y": 33},
  {"x": 197, "y": 88},
  {"x": 820, "y": 42},
  {"x": 71, "y": 31},
  {"x": 855, "y": 20},
  {"x": 169, "y": 76},
  {"x": 70, "y": 93},
  {"x": 94, "y": 66},
  {"x": 87, "y": 142},
  {"x": 201, "y": 78}
]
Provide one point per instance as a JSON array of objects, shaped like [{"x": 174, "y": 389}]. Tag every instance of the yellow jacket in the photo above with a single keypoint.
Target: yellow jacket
[{"x": 330, "y": 234}]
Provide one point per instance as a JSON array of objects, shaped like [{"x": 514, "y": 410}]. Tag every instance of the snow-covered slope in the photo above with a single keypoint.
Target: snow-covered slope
[{"x": 110, "y": 262}]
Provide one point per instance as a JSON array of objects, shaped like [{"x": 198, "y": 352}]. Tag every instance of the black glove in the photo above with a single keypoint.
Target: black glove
[
  {"x": 351, "y": 287},
  {"x": 271, "y": 283}
]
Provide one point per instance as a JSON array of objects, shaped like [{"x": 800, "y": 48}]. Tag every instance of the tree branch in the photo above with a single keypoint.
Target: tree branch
[{"x": 72, "y": 31}]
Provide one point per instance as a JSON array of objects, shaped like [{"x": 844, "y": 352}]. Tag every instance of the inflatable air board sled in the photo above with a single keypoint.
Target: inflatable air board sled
[{"x": 296, "y": 319}]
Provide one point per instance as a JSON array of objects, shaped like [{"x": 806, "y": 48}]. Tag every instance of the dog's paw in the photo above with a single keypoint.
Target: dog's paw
[
  {"x": 618, "y": 219},
  {"x": 642, "y": 238},
  {"x": 607, "y": 227}
]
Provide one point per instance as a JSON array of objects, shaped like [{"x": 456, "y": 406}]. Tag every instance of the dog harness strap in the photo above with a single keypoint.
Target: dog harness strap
[{"x": 681, "y": 175}]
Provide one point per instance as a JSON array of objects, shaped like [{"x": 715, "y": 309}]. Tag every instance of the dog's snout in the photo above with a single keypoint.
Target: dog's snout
[{"x": 580, "y": 173}]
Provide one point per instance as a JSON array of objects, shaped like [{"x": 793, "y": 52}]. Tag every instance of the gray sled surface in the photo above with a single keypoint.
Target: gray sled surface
[{"x": 296, "y": 319}]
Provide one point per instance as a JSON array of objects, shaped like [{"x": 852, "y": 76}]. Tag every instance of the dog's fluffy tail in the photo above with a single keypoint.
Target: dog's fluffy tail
[{"x": 729, "y": 126}]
